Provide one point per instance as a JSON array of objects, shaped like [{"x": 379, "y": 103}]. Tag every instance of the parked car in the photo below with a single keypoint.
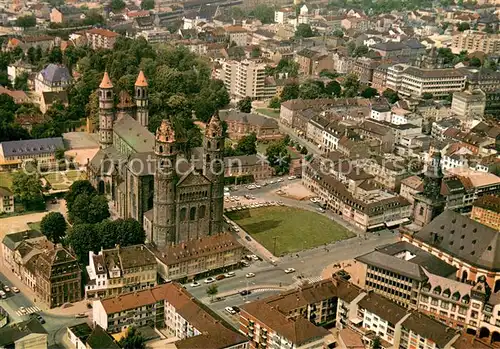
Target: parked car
[
  {"x": 244, "y": 292},
  {"x": 235, "y": 308},
  {"x": 289, "y": 270},
  {"x": 209, "y": 280},
  {"x": 250, "y": 275},
  {"x": 15, "y": 289},
  {"x": 220, "y": 277},
  {"x": 81, "y": 315},
  {"x": 291, "y": 178},
  {"x": 6, "y": 288},
  {"x": 230, "y": 274},
  {"x": 230, "y": 310},
  {"x": 244, "y": 263},
  {"x": 248, "y": 238},
  {"x": 320, "y": 210},
  {"x": 38, "y": 317},
  {"x": 194, "y": 284},
  {"x": 3, "y": 296}
]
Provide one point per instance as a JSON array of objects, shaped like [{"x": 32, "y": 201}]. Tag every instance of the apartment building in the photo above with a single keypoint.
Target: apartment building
[
  {"x": 388, "y": 171},
  {"x": 313, "y": 62},
  {"x": 6, "y": 200},
  {"x": 463, "y": 186},
  {"x": 469, "y": 103},
  {"x": 473, "y": 40},
  {"x": 282, "y": 15},
  {"x": 292, "y": 319},
  {"x": 247, "y": 78},
  {"x": 398, "y": 272},
  {"x": 246, "y": 167},
  {"x": 170, "y": 307},
  {"x": 415, "y": 82},
  {"x": 14, "y": 154},
  {"x": 370, "y": 315},
  {"x": 354, "y": 195},
  {"x": 196, "y": 258},
  {"x": 241, "y": 124},
  {"x": 98, "y": 38},
  {"x": 120, "y": 270},
  {"x": 486, "y": 210},
  {"x": 53, "y": 78},
  {"x": 237, "y": 34},
  {"x": 410, "y": 186}
]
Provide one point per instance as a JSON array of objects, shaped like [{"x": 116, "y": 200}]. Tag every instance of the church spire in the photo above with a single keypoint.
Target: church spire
[
  {"x": 141, "y": 99},
  {"x": 141, "y": 80},
  {"x": 106, "y": 81}
]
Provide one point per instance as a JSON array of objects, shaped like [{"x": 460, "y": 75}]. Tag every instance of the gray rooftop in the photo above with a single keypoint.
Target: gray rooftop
[
  {"x": 463, "y": 238},
  {"x": 386, "y": 257},
  {"x": 55, "y": 73},
  {"x": 248, "y": 118},
  {"x": 31, "y": 146},
  {"x": 10, "y": 334},
  {"x": 134, "y": 134}
]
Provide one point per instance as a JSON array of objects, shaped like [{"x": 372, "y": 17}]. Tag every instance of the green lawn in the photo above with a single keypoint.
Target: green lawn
[
  {"x": 34, "y": 226},
  {"x": 261, "y": 147},
  {"x": 6, "y": 179},
  {"x": 294, "y": 229},
  {"x": 54, "y": 178},
  {"x": 75, "y": 175},
  {"x": 274, "y": 113}
]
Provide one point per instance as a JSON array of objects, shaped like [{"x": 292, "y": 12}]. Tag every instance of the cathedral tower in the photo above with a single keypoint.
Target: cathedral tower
[
  {"x": 164, "y": 185},
  {"x": 125, "y": 105},
  {"x": 106, "y": 113},
  {"x": 141, "y": 99},
  {"x": 213, "y": 167}
]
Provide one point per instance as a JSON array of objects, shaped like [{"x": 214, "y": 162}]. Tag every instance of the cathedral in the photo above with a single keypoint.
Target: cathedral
[{"x": 148, "y": 178}]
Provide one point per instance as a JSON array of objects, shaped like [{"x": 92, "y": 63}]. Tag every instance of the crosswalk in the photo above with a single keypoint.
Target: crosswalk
[
  {"x": 27, "y": 311},
  {"x": 310, "y": 280}
]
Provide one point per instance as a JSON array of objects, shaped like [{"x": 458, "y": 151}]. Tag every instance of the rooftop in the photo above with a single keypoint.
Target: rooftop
[
  {"x": 489, "y": 202},
  {"x": 31, "y": 147}
]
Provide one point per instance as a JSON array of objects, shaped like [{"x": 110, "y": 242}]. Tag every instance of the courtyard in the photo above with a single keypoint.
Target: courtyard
[
  {"x": 282, "y": 230},
  {"x": 62, "y": 180}
]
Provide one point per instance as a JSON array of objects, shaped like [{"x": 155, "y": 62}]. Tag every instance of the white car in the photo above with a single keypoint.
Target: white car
[
  {"x": 279, "y": 180},
  {"x": 291, "y": 178},
  {"x": 250, "y": 275},
  {"x": 230, "y": 274},
  {"x": 15, "y": 289},
  {"x": 209, "y": 280},
  {"x": 271, "y": 182},
  {"x": 313, "y": 200},
  {"x": 6, "y": 288},
  {"x": 289, "y": 270},
  {"x": 230, "y": 310},
  {"x": 258, "y": 186},
  {"x": 321, "y": 210},
  {"x": 3, "y": 295},
  {"x": 195, "y": 284}
]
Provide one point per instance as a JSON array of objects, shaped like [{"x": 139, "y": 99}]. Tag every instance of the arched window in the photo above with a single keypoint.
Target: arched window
[
  {"x": 108, "y": 94},
  {"x": 183, "y": 214},
  {"x": 207, "y": 158},
  {"x": 209, "y": 145},
  {"x": 192, "y": 214},
  {"x": 201, "y": 212},
  {"x": 161, "y": 148},
  {"x": 421, "y": 211}
]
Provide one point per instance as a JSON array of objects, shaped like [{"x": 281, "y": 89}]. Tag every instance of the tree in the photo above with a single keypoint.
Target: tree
[
  {"x": 77, "y": 188},
  {"x": 212, "y": 290},
  {"x": 338, "y": 33},
  {"x": 53, "y": 226},
  {"x": 55, "y": 55},
  {"x": 247, "y": 145},
  {"x": 360, "y": 51},
  {"x": 351, "y": 86},
  {"x": 21, "y": 82},
  {"x": 117, "y": 5},
  {"x": 463, "y": 26},
  {"x": 333, "y": 88},
  {"x": 475, "y": 62},
  {"x": 290, "y": 91},
  {"x": 84, "y": 238},
  {"x": 132, "y": 340},
  {"x": 369, "y": 92},
  {"x": 310, "y": 90},
  {"x": 391, "y": 95},
  {"x": 89, "y": 209},
  {"x": 255, "y": 52},
  {"x": 147, "y": 4},
  {"x": 125, "y": 232},
  {"x": 26, "y": 21},
  {"x": 278, "y": 157},
  {"x": 427, "y": 95},
  {"x": 28, "y": 189},
  {"x": 303, "y": 31},
  {"x": 263, "y": 13},
  {"x": 376, "y": 343},
  {"x": 60, "y": 154},
  {"x": 274, "y": 103},
  {"x": 245, "y": 105}
]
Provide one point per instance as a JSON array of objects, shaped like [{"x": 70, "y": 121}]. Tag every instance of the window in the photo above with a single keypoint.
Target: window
[
  {"x": 201, "y": 211},
  {"x": 183, "y": 214},
  {"x": 192, "y": 214}
]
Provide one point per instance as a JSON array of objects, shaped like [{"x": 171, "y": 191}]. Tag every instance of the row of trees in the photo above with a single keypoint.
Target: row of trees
[{"x": 89, "y": 212}]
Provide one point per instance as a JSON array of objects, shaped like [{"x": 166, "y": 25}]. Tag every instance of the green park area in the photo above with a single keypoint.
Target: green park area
[
  {"x": 62, "y": 180},
  {"x": 291, "y": 229},
  {"x": 274, "y": 113}
]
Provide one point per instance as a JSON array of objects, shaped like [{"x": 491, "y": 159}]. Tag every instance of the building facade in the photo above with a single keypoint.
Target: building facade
[
  {"x": 247, "y": 78},
  {"x": 486, "y": 210}
]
